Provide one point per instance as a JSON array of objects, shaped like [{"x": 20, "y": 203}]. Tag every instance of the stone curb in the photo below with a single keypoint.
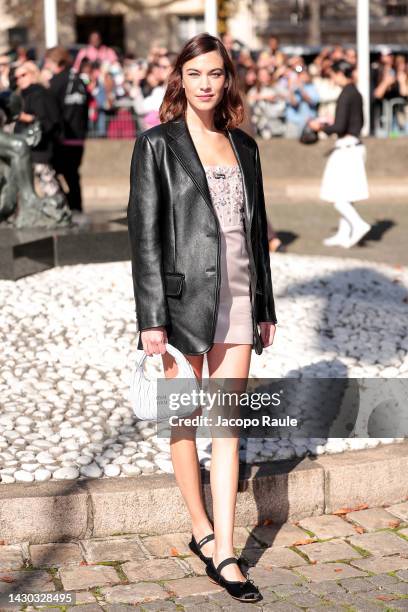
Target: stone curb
[
  {"x": 101, "y": 192},
  {"x": 309, "y": 190},
  {"x": 277, "y": 491}
]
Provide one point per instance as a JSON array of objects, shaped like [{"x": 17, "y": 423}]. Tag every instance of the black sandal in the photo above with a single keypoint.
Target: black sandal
[
  {"x": 196, "y": 547},
  {"x": 242, "y": 591}
]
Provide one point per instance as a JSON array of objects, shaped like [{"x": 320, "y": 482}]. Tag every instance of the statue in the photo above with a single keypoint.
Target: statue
[{"x": 17, "y": 193}]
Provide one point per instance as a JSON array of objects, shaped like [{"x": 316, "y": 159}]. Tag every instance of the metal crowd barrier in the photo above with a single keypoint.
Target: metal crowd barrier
[
  {"x": 123, "y": 122},
  {"x": 387, "y": 122},
  {"x": 120, "y": 122}
]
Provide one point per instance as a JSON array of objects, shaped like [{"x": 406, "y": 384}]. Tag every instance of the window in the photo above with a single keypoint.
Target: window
[
  {"x": 111, "y": 28},
  {"x": 17, "y": 36},
  {"x": 396, "y": 8},
  {"x": 189, "y": 26}
]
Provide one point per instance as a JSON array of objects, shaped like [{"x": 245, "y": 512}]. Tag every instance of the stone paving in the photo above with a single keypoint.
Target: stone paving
[
  {"x": 68, "y": 344},
  {"x": 303, "y": 224},
  {"x": 354, "y": 560}
]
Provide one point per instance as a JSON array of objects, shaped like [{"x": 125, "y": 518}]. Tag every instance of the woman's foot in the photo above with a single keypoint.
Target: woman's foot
[
  {"x": 229, "y": 572},
  {"x": 243, "y": 590},
  {"x": 357, "y": 233},
  {"x": 336, "y": 240},
  {"x": 201, "y": 532}
]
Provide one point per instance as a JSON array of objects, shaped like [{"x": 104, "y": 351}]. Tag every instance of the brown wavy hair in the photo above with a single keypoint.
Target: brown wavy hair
[{"x": 229, "y": 112}]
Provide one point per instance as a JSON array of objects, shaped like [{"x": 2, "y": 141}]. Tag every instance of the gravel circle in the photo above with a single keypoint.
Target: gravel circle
[{"x": 68, "y": 339}]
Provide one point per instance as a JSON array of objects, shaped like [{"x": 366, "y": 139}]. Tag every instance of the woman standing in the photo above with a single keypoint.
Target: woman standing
[
  {"x": 244, "y": 78},
  {"x": 344, "y": 179},
  {"x": 201, "y": 270},
  {"x": 38, "y": 103},
  {"x": 267, "y": 106}
]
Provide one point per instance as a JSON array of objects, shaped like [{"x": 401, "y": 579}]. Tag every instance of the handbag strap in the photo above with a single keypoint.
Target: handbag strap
[
  {"x": 181, "y": 361},
  {"x": 178, "y": 355}
]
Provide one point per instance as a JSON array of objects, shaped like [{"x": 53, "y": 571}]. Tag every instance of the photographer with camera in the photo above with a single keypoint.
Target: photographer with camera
[{"x": 302, "y": 98}]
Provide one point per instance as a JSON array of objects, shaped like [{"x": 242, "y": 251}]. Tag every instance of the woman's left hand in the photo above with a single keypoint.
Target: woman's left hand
[
  {"x": 315, "y": 124},
  {"x": 268, "y": 330},
  {"x": 26, "y": 118}
]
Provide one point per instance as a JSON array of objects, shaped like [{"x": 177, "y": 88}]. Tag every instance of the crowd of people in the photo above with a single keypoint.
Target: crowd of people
[
  {"x": 284, "y": 92},
  {"x": 102, "y": 94},
  {"x": 54, "y": 100}
]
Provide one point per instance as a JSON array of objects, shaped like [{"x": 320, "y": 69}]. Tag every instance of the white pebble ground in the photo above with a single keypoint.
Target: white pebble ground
[{"x": 68, "y": 345}]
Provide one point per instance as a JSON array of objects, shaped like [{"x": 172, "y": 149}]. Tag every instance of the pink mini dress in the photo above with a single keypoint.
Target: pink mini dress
[{"x": 234, "y": 321}]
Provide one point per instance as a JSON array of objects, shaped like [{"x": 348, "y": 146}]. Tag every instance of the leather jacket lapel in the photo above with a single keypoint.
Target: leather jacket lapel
[
  {"x": 246, "y": 164},
  {"x": 184, "y": 149}
]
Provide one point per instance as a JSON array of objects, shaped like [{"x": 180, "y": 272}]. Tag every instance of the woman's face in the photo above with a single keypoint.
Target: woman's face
[
  {"x": 264, "y": 78},
  {"x": 264, "y": 60},
  {"x": 96, "y": 73},
  {"x": 204, "y": 79},
  {"x": 86, "y": 69},
  {"x": 165, "y": 67},
  {"x": 245, "y": 58},
  {"x": 326, "y": 68},
  {"x": 24, "y": 77},
  {"x": 387, "y": 59},
  {"x": 400, "y": 63},
  {"x": 154, "y": 76},
  {"x": 351, "y": 56},
  {"x": 250, "y": 77}
]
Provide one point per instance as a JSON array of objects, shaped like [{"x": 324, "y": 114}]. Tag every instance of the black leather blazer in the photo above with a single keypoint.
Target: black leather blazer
[{"x": 175, "y": 237}]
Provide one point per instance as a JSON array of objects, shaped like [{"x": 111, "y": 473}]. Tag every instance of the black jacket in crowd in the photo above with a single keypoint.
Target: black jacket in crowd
[
  {"x": 40, "y": 102},
  {"x": 72, "y": 98},
  {"x": 175, "y": 237},
  {"x": 349, "y": 117}
]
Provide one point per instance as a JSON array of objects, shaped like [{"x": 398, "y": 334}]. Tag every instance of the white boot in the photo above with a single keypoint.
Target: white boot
[
  {"x": 342, "y": 236},
  {"x": 357, "y": 233},
  {"x": 359, "y": 227}
]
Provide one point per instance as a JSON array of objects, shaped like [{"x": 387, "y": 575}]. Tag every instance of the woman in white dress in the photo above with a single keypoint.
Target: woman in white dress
[{"x": 344, "y": 179}]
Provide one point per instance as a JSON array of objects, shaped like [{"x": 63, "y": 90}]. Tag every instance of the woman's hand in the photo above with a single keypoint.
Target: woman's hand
[
  {"x": 154, "y": 340},
  {"x": 26, "y": 118},
  {"x": 268, "y": 330},
  {"x": 315, "y": 124}
]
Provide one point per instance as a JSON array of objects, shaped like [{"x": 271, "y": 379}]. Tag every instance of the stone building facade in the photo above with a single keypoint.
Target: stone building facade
[
  {"x": 290, "y": 20},
  {"x": 132, "y": 25}
]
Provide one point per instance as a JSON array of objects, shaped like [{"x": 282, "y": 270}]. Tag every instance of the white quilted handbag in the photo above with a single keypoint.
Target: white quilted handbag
[{"x": 147, "y": 405}]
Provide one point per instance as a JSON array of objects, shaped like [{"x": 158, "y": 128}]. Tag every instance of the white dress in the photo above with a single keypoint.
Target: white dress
[{"x": 344, "y": 177}]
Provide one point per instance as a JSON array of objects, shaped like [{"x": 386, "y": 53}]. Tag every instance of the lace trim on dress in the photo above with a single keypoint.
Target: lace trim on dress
[{"x": 225, "y": 185}]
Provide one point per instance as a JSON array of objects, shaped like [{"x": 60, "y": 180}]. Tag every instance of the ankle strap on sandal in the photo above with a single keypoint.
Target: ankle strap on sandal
[
  {"x": 205, "y": 540},
  {"x": 226, "y": 562}
]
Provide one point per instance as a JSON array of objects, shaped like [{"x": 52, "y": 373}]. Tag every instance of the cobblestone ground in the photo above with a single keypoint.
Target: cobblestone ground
[
  {"x": 353, "y": 560},
  {"x": 68, "y": 341}
]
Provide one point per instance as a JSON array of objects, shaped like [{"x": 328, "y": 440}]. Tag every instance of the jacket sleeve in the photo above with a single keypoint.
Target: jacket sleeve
[
  {"x": 143, "y": 216},
  {"x": 45, "y": 109},
  {"x": 341, "y": 117},
  {"x": 265, "y": 305}
]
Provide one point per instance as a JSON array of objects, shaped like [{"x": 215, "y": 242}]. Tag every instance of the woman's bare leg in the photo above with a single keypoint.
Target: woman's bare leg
[
  {"x": 185, "y": 461},
  {"x": 226, "y": 361}
]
